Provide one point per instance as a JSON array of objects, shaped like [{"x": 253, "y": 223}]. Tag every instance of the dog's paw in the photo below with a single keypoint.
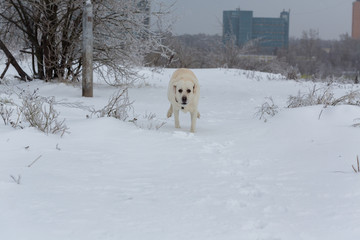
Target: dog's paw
[{"x": 169, "y": 113}]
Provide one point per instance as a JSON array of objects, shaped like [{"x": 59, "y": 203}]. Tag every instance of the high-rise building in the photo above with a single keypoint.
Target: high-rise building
[
  {"x": 355, "y": 33},
  {"x": 269, "y": 34}
]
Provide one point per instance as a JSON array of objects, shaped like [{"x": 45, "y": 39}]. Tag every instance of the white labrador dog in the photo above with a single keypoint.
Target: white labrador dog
[{"x": 183, "y": 94}]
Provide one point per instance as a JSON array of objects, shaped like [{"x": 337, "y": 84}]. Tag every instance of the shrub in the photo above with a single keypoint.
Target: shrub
[
  {"x": 148, "y": 121},
  {"x": 40, "y": 113},
  {"x": 267, "y": 109},
  {"x": 118, "y": 106},
  {"x": 315, "y": 96},
  {"x": 43, "y": 116},
  {"x": 6, "y": 113},
  {"x": 324, "y": 96}
]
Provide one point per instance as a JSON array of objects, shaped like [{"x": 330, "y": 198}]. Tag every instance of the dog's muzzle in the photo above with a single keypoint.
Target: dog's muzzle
[{"x": 183, "y": 100}]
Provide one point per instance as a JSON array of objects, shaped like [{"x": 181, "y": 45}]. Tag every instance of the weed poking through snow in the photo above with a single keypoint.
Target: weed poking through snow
[
  {"x": 267, "y": 109},
  {"x": 118, "y": 106},
  {"x": 356, "y": 169},
  {"x": 148, "y": 121},
  {"x": 16, "y": 179}
]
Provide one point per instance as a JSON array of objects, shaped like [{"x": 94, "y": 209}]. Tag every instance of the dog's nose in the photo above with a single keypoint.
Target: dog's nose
[{"x": 184, "y": 99}]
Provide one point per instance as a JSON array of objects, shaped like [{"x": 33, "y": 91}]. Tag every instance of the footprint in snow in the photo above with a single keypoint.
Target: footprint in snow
[{"x": 183, "y": 135}]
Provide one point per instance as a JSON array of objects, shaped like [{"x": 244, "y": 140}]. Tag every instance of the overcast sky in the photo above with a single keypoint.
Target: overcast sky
[{"x": 330, "y": 17}]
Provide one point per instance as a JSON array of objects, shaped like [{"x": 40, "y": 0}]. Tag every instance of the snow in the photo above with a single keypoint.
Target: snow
[{"x": 237, "y": 177}]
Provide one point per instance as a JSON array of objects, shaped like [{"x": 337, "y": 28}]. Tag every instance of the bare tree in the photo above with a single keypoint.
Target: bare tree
[
  {"x": 52, "y": 30},
  {"x": 310, "y": 43}
]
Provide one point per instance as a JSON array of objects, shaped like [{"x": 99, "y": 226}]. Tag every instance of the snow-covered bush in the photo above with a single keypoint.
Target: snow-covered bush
[
  {"x": 323, "y": 96},
  {"x": 6, "y": 113},
  {"x": 292, "y": 73},
  {"x": 9, "y": 112},
  {"x": 148, "y": 121},
  {"x": 351, "y": 98},
  {"x": 315, "y": 96},
  {"x": 118, "y": 106},
  {"x": 267, "y": 109},
  {"x": 37, "y": 111},
  {"x": 40, "y": 113}
]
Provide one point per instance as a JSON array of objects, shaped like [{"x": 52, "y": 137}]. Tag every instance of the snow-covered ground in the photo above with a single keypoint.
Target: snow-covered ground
[{"x": 236, "y": 178}]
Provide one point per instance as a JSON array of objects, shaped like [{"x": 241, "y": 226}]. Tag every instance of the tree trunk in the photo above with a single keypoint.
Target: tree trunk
[{"x": 39, "y": 53}]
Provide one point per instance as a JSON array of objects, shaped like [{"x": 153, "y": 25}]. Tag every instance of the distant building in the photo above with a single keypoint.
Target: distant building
[
  {"x": 269, "y": 34},
  {"x": 355, "y": 33}
]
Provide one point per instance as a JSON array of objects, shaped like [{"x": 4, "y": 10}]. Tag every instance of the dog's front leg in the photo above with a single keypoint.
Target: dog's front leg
[
  {"x": 193, "y": 121},
  {"x": 170, "y": 111},
  {"x": 176, "y": 116}
]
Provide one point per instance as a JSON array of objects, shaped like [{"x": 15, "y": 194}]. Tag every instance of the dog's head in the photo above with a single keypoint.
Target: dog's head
[{"x": 184, "y": 92}]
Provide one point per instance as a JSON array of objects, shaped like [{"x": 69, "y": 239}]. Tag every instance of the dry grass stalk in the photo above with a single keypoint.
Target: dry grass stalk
[{"x": 358, "y": 165}]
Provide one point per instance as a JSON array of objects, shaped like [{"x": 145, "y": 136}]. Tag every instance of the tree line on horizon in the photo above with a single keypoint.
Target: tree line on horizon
[{"x": 307, "y": 57}]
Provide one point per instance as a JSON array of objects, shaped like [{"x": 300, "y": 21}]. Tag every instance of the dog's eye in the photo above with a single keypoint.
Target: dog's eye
[
  {"x": 180, "y": 90},
  {"x": 188, "y": 91}
]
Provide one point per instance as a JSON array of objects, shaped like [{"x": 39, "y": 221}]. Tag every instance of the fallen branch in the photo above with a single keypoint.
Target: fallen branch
[
  {"x": 12, "y": 60},
  {"x": 5, "y": 70},
  {"x": 34, "y": 161}
]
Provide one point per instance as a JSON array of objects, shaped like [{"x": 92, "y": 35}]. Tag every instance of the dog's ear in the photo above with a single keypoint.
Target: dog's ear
[{"x": 194, "y": 89}]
